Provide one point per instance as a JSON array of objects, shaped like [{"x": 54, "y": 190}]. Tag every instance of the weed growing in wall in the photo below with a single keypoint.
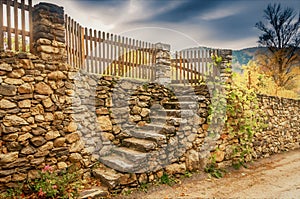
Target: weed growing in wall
[
  {"x": 212, "y": 169},
  {"x": 242, "y": 119}
]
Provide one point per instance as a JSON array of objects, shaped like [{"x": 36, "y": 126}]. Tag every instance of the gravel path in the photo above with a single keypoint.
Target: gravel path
[{"x": 274, "y": 177}]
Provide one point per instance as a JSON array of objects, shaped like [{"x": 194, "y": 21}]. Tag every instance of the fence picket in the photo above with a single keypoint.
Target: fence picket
[
  {"x": 99, "y": 41},
  {"x": 109, "y": 54},
  {"x": 119, "y": 56},
  {"x": 103, "y": 61},
  {"x": 86, "y": 49},
  {"x": 16, "y": 23},
  {"x": 199, "y": 65},
  {"x": 23, "y": 25},
  {"x": 111, "y": 59},
  {"x": 188, "y": 65},
  {"x": 153, "y": 59},
  {"x": 115, "y": 54},
  {"x": 1, "y": 26},
  {"x": 8, "y": 3},
  {"x": 67, "y": 38},
  {"x": 30, "y": 25}
]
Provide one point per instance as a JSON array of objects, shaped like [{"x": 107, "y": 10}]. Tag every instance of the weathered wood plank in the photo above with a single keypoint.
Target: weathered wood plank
[
  {"x": 1, "y": 26},
  {"x": 8, "y": 4},
  {"x": 16, "y": 24},
  {"x": 30, "y": 25}
]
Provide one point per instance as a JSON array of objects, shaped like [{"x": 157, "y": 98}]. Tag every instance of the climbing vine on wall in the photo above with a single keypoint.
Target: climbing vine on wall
[
  {"x": 238, "y": 108},
  {"x": 244, "y": 119}
]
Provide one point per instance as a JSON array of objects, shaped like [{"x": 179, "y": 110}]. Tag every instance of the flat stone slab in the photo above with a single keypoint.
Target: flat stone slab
[
  {"x": 107, "y": 176},
  {"x": 140, "y": 144},
  {"x": 96, "y": 192},
  {"x": 116, "y": 162},
  {"x": 147, "y": 132},
  {"x": 130, "y": 154}
]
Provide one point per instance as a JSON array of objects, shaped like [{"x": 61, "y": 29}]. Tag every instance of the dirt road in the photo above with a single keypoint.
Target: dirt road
[{"x": 274, "y": 177}]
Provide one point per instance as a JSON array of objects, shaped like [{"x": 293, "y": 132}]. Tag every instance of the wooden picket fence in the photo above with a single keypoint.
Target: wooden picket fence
[
  {"x": 101, "y": 52},
  {"x": 108, "y": 54},
  {"x": 193, "y": 66},
  {"x": 16, "y": 31}
]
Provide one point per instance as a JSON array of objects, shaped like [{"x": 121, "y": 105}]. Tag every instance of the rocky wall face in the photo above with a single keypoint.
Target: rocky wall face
[
  {"x": 283, "y": 127},
  {"x": 36, "y": 128},
  {"x": 281, "y": 131},
  {"x": 169, "y": 124},
  {"x": 53, "y": 115},
  {"x": 110, "y": 111}
]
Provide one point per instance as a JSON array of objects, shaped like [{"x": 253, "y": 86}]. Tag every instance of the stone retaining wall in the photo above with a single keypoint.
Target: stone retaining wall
[
  {"x": 52, "y": 114},
  {"x": 282, "y": 131},
  {"x": 35, "y": 127},
  {"x": 283, "y": 126}
]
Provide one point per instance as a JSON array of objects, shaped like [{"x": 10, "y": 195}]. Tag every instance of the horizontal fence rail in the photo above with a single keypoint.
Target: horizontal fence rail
[
  {"x": 108, "y": 54},
  {"x": 192, "y": 66},
  {"x": 16, "y": 30}
]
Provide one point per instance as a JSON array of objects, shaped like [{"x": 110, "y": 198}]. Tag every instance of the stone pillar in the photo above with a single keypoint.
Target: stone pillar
[
  {"x": 226, "y": 65},
  {"x": 49, "y": 32},
  {"x": 162, "y": 64}
]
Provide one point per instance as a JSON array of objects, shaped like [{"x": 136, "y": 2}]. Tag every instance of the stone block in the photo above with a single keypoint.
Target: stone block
[{"x": 8, "y": 90}]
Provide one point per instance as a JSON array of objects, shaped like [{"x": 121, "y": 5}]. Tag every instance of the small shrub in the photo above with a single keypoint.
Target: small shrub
[
  {"x": 168, "y": 180},
  {"x": 212, "y": 169},
  {"x": 50, "y": 184},
  {"x": 187, "y": 174},
  {"x": 14, "y": 193},
  {"x": 144, "y": 187},
  {"x": 53, "y": 184}
]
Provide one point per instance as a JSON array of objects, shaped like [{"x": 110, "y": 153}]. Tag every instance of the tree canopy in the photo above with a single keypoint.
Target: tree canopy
[{"x": 281, "y": 35}]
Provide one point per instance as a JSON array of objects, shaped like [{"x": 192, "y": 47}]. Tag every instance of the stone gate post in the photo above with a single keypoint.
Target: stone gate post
[
  {"x": 162, "y": 64},
  {"x": 226, "y": 67},
  {"x": 49, "y": 32}
]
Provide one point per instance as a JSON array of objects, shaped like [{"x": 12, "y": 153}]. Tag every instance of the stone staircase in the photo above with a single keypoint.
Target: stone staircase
[{"x": 132, "y": 156}]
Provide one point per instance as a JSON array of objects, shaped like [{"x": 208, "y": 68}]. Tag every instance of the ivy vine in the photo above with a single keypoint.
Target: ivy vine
[{"x": 242, "y": 117}]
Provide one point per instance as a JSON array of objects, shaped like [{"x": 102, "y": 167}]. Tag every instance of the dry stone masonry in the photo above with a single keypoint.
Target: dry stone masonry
[
  {"x": 131, "y": 131},
  {"x": 49, "y": 32}
]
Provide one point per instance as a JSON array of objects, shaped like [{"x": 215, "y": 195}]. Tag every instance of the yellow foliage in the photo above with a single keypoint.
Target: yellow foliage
[
  {"x": 254, "y": 78},
  {"x": 282, "y": 65}
]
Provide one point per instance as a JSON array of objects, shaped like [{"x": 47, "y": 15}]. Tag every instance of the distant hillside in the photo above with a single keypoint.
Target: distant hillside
[
  {"x": 239, "y": 57},
  {"x": 243, "y": 56}
]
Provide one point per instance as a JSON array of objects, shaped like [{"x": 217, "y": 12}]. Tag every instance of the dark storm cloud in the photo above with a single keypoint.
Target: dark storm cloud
[
  {"x": 185, "y": 11},
  {"x": 216, "y": 22},
  {"x": 106, "y": 3}
]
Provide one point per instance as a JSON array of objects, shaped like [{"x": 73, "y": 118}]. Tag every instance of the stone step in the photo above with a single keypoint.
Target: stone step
[
  {"x": 182, "y": 88},
  {"x": 108, "y": 176},
  {"x": 166, "y": 120},
  {"x": 117, "y": 162},
  {"x": 130, "y": 154},
  {"x": 184, "y": 98},
  {"x": 148, "y": 134},
  {"x": 141, "y": 145},
  {"x": 177, "y": 113},
  {"x": 160, "y": 128},
  {"x": 180, "y": 105}
]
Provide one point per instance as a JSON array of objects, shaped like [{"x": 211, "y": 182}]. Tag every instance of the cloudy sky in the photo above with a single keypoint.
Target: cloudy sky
[{"x": 181, "y": 23}]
